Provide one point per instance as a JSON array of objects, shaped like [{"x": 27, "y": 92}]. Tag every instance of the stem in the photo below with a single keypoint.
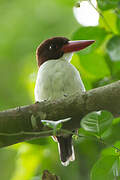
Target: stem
[
  {"x": 26, "y": 133},
  {"x": 102, "y": 16}
]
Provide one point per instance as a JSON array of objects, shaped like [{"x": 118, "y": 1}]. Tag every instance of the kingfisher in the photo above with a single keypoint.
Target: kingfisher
[{"x": 58, "y": 78}]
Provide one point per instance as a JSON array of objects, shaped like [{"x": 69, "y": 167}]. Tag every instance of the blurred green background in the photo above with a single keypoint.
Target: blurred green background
[{"x": 23, "y": 25}]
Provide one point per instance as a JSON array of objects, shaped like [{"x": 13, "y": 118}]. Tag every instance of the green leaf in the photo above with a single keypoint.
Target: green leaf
[
  {"x": 97, "y": 122},
  {"x": 118, "y": 23},
  {"x": 116, "y": 121},
  {"x": 87, "y": 65},
  {"x": 84, "y": 74},
  {"x": 90, "y": 33},
  {"x": 91, "y": 61},
  {"x": 107, "y": 4},
  {"x": 111, "y": 150},
  {"x": 111, "y": 19},
  {"x": 85, "y": 135},
  {"x": 105, "y": 168},
  {"x": 114, "y": 67},
  {"x": 115, "y": 134},
  {"x": 113, "y": 48}
]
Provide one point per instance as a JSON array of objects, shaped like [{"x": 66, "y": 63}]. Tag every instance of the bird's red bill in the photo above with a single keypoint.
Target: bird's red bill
[{"x": 73, "y": 46}]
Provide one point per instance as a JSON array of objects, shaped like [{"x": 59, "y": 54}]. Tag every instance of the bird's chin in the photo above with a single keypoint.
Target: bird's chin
[{"x": 67, "y": 56}]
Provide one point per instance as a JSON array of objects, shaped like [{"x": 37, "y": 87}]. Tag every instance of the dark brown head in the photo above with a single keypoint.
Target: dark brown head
[
  {"x": 50, "y": 49},
  {"x": 55, "y": 48}
]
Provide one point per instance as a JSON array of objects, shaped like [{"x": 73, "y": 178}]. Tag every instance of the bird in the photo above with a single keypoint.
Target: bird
[{"x": 58, "y": 78}]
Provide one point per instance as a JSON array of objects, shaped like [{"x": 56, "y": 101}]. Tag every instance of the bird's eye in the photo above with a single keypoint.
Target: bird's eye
[{"x": 52, "y": 46}]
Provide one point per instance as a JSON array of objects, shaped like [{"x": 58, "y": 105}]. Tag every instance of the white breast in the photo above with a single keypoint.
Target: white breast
[{"x": 55, "y": 79}]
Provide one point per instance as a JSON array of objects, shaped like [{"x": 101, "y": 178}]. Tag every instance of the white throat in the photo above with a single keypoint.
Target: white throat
[{"x": 67, "y": 57}]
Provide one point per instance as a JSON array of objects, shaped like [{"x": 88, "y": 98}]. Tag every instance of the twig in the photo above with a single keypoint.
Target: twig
[
  {"x": 26, "y": 133},
  {"x": 102, "y": 16}
]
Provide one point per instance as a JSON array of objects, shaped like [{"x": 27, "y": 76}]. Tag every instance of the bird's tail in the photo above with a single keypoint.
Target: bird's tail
[{"x": 66, "y": 149}]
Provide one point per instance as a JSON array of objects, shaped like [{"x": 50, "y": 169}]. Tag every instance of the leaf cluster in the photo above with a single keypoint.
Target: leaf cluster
[{"x": 100, "y": 65}]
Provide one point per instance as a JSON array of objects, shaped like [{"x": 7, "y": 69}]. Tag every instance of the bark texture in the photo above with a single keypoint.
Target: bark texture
[{"x": 24, "y": 123}]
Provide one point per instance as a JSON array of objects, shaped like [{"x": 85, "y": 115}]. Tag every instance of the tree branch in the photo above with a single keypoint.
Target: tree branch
[{"x": 24, "y": 123}]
